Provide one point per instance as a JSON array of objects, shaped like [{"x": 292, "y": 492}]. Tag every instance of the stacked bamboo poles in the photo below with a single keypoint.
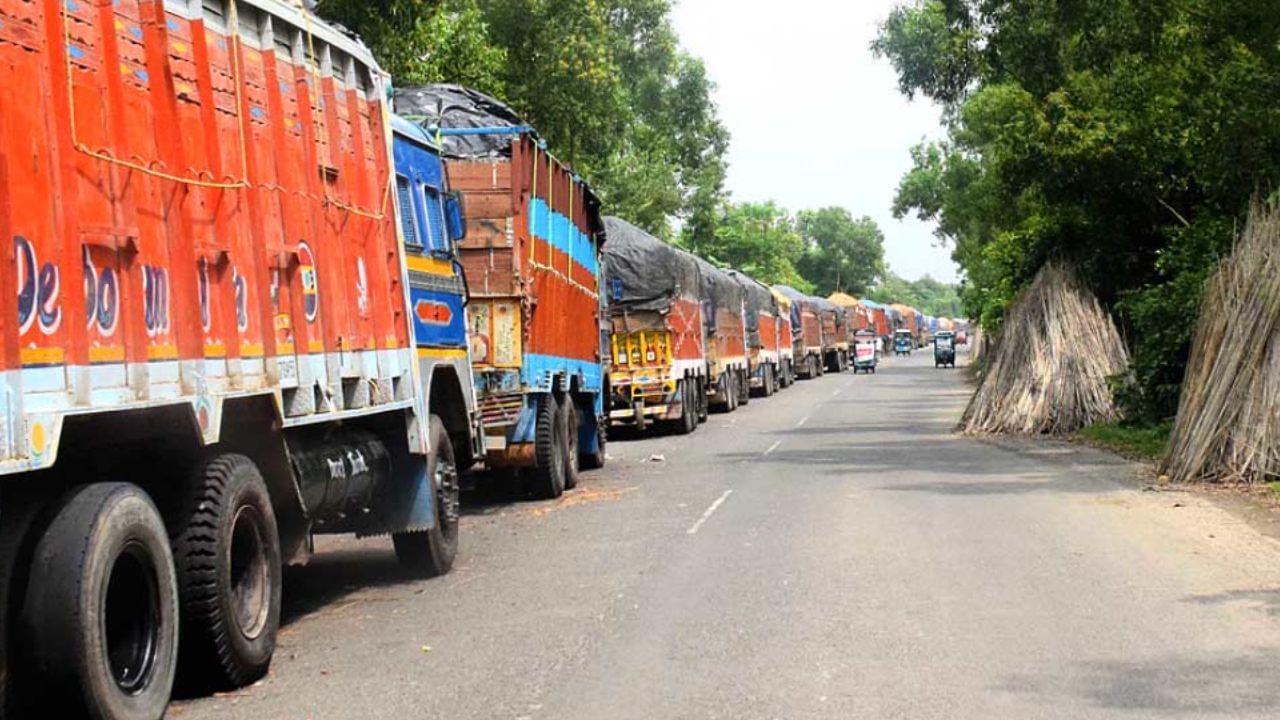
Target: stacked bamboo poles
[
  {"x": 1228, "y": 426},
  {"x": 1051, "y": 367}
]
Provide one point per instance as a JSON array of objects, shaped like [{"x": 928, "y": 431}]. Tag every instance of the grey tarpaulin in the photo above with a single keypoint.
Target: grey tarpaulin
[
  {"x": 758, "y": 300},
  {"x": 644, "y": 273},
  {"x": 718, "y": 291},
  {"x": 454, "y": 106},
  {"x": 799, "y": 303}
]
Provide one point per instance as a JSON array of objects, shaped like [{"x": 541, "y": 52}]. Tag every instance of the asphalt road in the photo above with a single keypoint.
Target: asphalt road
[{"x": 833, "y": 552}]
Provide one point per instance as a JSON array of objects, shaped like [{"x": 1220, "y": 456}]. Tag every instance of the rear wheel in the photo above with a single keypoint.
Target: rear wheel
[
  {"x": 430, "y": 553},
  {"x": 227, "y": 551},
  {"x": 548, "y": 450},
  {"x": 570, "y": 422},
  {"x": 594, "y": 459},
  {"x": 101, "y": 608},
  {"x": 704, "y": 412},
  {"x": 688, "y": 421},
  {"x": 744, "y": 388}
]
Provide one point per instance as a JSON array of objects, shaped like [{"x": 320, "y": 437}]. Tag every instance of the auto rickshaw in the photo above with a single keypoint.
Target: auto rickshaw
[
  {"x": 864, "y": 352},
  {"x": 944, "y": 349},
  {"x": 902, "y": 342}
]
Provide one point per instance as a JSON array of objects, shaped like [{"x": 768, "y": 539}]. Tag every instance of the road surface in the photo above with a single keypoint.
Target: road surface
[{"x": 833, "y": 552}]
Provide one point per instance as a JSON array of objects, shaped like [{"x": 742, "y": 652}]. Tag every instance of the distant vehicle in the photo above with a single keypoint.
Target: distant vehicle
[
  {"x": 962, "y": 337},
  {"x": 864, "y": 352},
  {"x": 944, "y": 349},
  {"x": 903, "y": 342}
]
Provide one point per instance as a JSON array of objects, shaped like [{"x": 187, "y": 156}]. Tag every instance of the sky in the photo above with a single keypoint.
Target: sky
[{"x": 815, "y": 118}]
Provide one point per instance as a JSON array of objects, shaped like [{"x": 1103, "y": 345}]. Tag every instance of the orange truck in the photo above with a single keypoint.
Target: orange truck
[
  {"x": 532, "y": 261},
  {"x": 658, "y": 370},
  {"x": 763, "y": 325},
  {"x": 786, "y": 341},
  {"x": 807, "y": 333},
  {"x": 220, "y": 341}
]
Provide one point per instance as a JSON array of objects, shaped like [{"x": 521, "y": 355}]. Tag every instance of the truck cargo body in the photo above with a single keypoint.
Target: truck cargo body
[
  {"x": 786, "y": 342},
  {"x": 807, "y": 333},
  {"x": 762, "y": 323},
  {"x": 658, "y": 363},
  {"x": 210, "y": 299},
  {"x": 835, "y": 335},
  {"x": 532, "y": 262},
  {"x": 723, "y": 308}
]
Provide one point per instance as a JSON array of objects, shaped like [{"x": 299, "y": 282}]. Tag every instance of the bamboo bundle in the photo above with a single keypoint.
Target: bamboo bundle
[
  {"x": 1049, "y": 370},
  {"x": 1228, "y": 426}
]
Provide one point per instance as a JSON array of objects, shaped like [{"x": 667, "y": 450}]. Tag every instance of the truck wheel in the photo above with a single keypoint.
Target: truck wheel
[
  {"x": 548, "y": 450},
  {"x": 570, "y": 422},
  {"x": 430, "y": 553},
  {"x": 704, "y": 405},
  {"x": 730, "y": 390},
  {"x": 101, "y": 606},
  {"x": 744, "y": 388},
  {"x": 595, "y": 459},
  {"x": 688, "y": 421},
  {"x": 227, "y": 550}
]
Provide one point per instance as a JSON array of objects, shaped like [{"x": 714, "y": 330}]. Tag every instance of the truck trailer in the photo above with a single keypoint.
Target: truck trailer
[
  {"x": 806, "y": 330},
  {"x": 764, "y": 358},
  {"x": 658, "y": 363},
  {"x": 723, "y": 313},
  {"x": 786, "y": 344},
  {"x": 220, "y": 345},
  {"x": 835, "y": 334},
  {"x": 532, "y": 261}
]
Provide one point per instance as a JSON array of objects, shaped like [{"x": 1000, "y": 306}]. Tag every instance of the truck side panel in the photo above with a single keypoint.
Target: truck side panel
[{"x": 194, "y": 211}]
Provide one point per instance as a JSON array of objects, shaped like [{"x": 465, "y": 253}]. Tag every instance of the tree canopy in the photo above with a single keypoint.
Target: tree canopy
[
  {"x": 604, "y": 81},
  {"x": 842, "y": 254},
  {"x": 1126, "y": 136}
]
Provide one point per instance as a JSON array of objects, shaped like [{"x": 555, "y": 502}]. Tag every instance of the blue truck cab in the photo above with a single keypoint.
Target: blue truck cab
[{"x": 430, "y": 224}]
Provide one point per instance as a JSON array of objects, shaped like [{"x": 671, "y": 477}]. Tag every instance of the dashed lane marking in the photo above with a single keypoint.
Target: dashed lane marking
[{"x": 714, "y": 506}]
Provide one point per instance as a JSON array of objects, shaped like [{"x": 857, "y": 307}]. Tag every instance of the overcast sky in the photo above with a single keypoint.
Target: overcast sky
[{"x": 816, "y": 119}]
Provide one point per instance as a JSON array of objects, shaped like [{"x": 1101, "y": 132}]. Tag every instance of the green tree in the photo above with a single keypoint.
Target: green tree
[
  {"x": 759, "y": 239},
  {"x": 843, "y": 254},
  {"x": 929, "y": 296},
  {"x": 1126, "y": 136}
]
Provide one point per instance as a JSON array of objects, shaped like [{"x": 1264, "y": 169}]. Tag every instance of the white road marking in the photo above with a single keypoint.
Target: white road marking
[
  {"x": 803, "y": 420},
  {"x": 837, "y": 392},
  {"x": 714, "y": 506},
  {"x": 772, "y": 448}
]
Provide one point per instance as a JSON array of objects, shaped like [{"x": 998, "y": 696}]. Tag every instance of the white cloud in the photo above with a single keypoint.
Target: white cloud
[{"x": 816, "y": 119}]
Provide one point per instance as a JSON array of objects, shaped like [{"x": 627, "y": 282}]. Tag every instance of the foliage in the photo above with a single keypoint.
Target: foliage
[
  {"x": 1142, "y": 441},
  {"x": 1126, "y": 136},
  {"x": 760, "y": 239},
  {"x": 604, "y": 81},
  {"x": 843, "y": 254},
  {"x": 929, "y": 296}
]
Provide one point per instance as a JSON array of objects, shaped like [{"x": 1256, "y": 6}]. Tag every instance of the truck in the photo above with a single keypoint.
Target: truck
[
  {"x": 658, "y": 371},
  {"x": 835, "y": 334},
  {"x": 806, "y": 329},
  {"x": 724, "y": 315},
  {"x": 226, "y": 336},
  {"x": 532, "y": 262},
  {"x": 786, "y": 343},
  {"x": 763, "y": 321}
]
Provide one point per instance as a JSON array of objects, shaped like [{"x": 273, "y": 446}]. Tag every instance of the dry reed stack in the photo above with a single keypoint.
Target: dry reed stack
[
  {"x": 1049, "y": 369},
  {"x": 1228, "y": 426}
]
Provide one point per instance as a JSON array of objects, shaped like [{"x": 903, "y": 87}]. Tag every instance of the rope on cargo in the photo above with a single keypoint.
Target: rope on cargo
[
  {"x": 243, "y": 182},
  {"x": 113, "y": 160}
]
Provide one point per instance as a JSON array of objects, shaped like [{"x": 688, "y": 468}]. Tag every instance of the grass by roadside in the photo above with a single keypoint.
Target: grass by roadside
[{"x": 1139, "y": 442}]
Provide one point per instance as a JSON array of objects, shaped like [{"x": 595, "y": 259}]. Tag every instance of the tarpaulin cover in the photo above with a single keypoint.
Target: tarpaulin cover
[
  {"x": 454, "y": 106},
  {"x": 642, "y": 272},
  {"x": 718, "y": 291},
  {"x": 799, "y": 303},
  {"x": 759, "y": 299}
]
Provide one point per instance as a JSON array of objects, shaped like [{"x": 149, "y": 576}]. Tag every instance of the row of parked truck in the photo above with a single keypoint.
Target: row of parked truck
[{"x": 252, "y": 303}]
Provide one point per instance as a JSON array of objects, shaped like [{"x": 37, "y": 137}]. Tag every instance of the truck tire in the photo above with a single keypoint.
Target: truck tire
[
  {"x": 595, "y": 460},
  {"x": 704, "y": 409},
  {"x": 101, "y": 607},
  {"x": 570, "y": 422},
  {"x": 744, "y": 388},
  {"x": 430, "y": 553},
  {"x": 730, "y": 390},
  {"x": 688, "y": 421},
  {"x": 226, "y": 547},
  {"x": 548, "y": 450}
]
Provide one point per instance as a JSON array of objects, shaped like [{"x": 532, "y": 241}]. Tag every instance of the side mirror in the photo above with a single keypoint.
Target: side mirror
[{"x": 455, "y": 217}]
